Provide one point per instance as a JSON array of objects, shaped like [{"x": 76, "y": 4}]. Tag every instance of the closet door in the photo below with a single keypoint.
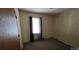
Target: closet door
[{"x": 8, "y": 29}]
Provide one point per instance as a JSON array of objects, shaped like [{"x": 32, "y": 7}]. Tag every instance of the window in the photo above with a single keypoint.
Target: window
[{"x": 36, "y": 25}]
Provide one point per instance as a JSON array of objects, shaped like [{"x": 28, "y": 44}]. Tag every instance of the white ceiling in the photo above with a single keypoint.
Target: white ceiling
[{"x": 45, "y": 10}]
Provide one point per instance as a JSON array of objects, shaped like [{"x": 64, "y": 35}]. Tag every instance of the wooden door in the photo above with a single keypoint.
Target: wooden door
[{"x": 8, "y": 29}]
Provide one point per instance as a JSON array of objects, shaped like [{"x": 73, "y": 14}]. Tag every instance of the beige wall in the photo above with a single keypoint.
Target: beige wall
[
  {"x": 66, "y": 27},
  {"x": 47, "y": 21},
  {"x": 63, "y": 26}
]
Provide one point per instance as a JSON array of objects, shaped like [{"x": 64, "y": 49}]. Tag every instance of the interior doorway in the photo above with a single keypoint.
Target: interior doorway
[{"x": 35, "y": 28}]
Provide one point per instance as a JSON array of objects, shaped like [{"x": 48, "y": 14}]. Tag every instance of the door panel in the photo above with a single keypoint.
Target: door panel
[{"x": 8, "y": 29}]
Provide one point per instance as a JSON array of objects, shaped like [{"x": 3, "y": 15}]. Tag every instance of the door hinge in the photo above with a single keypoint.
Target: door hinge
[
  {"x": 18, "y": 35},
  {"x": 16, "y": 17}
]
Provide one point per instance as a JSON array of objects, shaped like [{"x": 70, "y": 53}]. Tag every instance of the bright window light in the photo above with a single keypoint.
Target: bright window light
[{"x": 36, "y": 25}]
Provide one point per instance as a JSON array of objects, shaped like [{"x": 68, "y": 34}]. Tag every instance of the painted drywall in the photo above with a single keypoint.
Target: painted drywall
[
  {"x": 63, "y": 26},
  {"x": 25, "y": 29},
  {"x": 66, "y": 27}
]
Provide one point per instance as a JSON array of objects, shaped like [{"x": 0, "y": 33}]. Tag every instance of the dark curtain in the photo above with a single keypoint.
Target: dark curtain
[
  {"x": 41, "y": 27},
  {"x": 31, "y": 34}
]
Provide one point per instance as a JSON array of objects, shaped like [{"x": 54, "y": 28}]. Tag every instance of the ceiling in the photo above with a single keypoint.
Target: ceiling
[{"x": 45, "y": 10}]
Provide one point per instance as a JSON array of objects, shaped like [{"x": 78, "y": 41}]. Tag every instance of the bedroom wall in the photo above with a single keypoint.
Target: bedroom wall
[
  {"x": 66, "y": 27},
  {"x": 63, "y": 26},
  {"x": 47, "y": 21}
]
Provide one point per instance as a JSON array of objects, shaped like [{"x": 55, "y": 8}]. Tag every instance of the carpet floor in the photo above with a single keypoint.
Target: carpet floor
[{"x": 46, "y": 44}]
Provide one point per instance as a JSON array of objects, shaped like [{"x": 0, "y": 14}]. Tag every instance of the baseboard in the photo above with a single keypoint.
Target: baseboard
[
  {"x": 74, "y": 48},
  {"x": 63, "y": 42}
]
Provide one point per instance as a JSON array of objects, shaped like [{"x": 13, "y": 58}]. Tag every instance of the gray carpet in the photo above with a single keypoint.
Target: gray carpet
[{"x": 46, "y": 44}]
